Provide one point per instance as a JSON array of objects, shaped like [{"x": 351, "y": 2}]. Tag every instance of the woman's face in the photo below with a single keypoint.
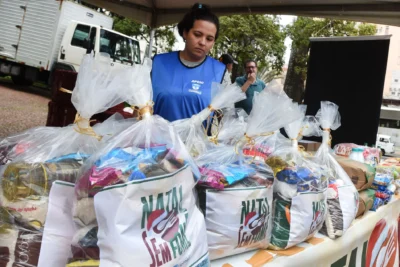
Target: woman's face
[{"x": 200, "y": 39}]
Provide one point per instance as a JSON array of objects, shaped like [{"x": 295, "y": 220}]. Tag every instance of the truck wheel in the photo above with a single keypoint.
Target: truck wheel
[
  {"x": 19, "y": 80},
  {"x": 383, "y": 152}
]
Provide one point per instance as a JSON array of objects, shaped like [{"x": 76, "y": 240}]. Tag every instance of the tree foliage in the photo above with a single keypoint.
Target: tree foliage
[
  {"x": 256, "y": 37},
  {"x": 164, "y": 37}
]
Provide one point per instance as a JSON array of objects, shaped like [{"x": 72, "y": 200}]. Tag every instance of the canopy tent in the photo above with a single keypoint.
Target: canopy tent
[{"x": 157, "y": 13}]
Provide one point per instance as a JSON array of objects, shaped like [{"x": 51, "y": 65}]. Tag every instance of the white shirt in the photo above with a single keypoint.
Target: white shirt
[{"x": 227, "y": 79}]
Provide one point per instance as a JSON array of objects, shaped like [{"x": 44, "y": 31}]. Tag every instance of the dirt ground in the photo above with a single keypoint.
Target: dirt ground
[{"x": 21, "y": 108}]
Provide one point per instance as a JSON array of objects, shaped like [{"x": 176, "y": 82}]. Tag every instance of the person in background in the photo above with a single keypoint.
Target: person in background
[
  {"x": 249, "y": 84},
  {"x": 228, "y": 61},
  {"x": 182, "y": 79}
]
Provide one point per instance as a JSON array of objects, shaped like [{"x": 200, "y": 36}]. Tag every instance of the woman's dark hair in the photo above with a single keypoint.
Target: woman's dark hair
[{"x": 198, "y": 12}]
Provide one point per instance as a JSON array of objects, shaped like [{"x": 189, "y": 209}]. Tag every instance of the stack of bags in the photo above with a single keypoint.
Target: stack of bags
[
  {"x": 137, "y": 193},
  {"x": 299, "y": 189},
  {"x": 342, "y": 196},
  {"x": 384, "y": 187},
  {"x": 52, "y": 154},
  {"x": 362, "y": 175},
  {"x": 235, "y": 189}
]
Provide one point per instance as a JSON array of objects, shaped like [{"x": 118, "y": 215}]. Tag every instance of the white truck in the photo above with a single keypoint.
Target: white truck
[
  {"x": 384, "y": 143},
  {"x": 39, "y": 36}
]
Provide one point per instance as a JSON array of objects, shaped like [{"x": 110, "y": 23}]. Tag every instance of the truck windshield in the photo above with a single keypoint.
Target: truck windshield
[{"x": 119, "y": 47}]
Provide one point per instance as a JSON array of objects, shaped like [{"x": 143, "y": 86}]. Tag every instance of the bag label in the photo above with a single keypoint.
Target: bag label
[
  {"x": 164, "y": 226},
  {"x": 253, "y": 221}
]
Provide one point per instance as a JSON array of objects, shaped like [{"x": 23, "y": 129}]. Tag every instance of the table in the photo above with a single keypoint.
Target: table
[{"x": 372, "y": 240}]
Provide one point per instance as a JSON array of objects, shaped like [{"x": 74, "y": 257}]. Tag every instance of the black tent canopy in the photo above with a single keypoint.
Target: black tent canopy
[{"x": 157, "y": 13}]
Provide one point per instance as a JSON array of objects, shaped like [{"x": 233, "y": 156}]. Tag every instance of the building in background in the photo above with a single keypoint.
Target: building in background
[
  {"x": 389, "y": 123},
  {"x": 392, "y": 81}
]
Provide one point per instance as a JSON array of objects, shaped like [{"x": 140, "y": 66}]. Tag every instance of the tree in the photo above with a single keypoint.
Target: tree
[
  {"x": 300, "y": 31},
  {"x": 366, "y": 29},
  {"x": 164, "y": 37},
  {"x": 256, "y": 37}
]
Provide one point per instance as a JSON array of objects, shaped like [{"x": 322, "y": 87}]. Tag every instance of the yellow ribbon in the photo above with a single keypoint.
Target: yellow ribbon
[
  {"x": 87, "y": 130},
  {"x": 330, "y": 136},
  {"x": 146, "y": 109},
  {"x": 250, "y": 140},
  {"x": 64, "y": 90},
  {"x": 301, "y": 148}
]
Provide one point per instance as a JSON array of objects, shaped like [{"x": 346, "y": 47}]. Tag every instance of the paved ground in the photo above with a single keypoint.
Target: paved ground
[{"x": 21, "y": 108}]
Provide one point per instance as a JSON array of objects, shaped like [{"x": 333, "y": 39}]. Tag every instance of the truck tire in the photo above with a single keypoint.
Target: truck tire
[
  {"x": 20, "y": 80},
  {"x": 383, "y": 152}
]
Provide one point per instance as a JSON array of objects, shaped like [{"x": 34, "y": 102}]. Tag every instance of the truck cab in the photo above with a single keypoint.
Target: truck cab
[
  {"x": 81, "y": 38},
  {"x": 384, "y": 143}
]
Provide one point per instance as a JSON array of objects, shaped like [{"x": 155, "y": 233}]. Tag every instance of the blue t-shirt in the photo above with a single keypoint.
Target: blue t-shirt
[
  {"x": 257, "y": 86},
  {"x": 180, "y": 91}
]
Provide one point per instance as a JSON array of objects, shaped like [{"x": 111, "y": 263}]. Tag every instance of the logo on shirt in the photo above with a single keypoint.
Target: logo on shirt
[{"x": 196, "y": 85}]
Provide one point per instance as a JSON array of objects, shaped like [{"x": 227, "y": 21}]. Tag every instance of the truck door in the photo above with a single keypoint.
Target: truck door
[
  {"x": 12, "y": 15},
  {"x": 120, "y": 48},
  {"x": 77, "y": 41}
]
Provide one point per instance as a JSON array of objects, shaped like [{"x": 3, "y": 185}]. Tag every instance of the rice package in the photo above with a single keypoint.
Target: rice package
[
  {"x": 342, "y": 196},
  {"x": 134, "y": 199},
  {"x": 299, "y": 205}
]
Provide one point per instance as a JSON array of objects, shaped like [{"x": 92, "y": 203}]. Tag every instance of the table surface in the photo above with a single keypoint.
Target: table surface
[{"x": 319, "y": 250}]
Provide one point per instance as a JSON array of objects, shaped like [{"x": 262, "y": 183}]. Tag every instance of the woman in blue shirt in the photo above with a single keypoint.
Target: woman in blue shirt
[{"x": 182, "y": 79}]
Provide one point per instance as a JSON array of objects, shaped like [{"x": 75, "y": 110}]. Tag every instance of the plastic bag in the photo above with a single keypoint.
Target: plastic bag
[
  {"x": 236, "y": 193},
  {"x": 271, "y": 112},
  {"x": 54, "y": 154},
  {"x": 342, "y": 195},
  {"x": 236, "y": 200},
  {"x": 232, "y": 126},
  {"x": 371, "y": 154},
  {"x": 137, "y": 192},
  {"x": 191, "y": 131},
  {"x": 383, "y": 186},
  {"x": 14, "y": 145},
  {"x": 299, "y": 188}
]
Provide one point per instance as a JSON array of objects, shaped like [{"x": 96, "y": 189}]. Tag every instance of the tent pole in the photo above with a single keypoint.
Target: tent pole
[{"x": 152, "y": 31}]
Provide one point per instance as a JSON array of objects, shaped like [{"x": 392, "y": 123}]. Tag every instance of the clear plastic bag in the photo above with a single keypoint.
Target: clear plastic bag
[
  {"x": 383, "y": 186},
  {"x": 137, "y": 192},
  {"x": 191, "y": 130},
  {"x": 55, "y": 154},
  {"x": 14, "y": 145},
  {"x": 231, "y": 127},
  {"x": 342, "y": 196},
  {"x": 272, "y": 111},
  {"x": 235, "y": 193},
  {"x": 235, "y": 198},
  {"x": 299, "y": 188}
]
